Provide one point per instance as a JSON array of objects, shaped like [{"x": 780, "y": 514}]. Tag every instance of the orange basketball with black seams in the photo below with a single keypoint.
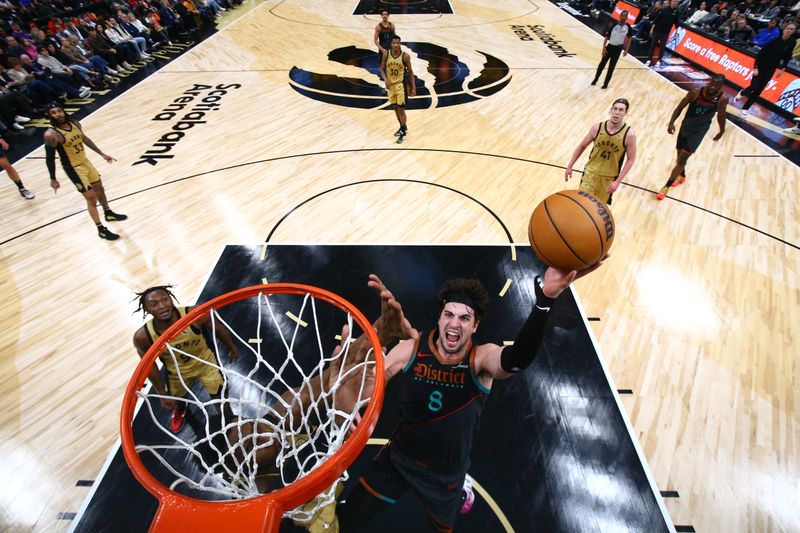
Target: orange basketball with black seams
[{"x": 571, "y": 230}]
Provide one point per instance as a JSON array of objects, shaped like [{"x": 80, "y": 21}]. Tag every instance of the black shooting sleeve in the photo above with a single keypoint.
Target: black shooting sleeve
[
  {"x": 50, "y": 160},
  {"x": 521, "y": 354}
]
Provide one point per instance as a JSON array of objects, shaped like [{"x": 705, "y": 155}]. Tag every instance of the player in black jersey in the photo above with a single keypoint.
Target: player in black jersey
[
  {"x": 445, "y": 380},
  {"x": 384, "y": 32},
  {"x": 702, "y": 104}
]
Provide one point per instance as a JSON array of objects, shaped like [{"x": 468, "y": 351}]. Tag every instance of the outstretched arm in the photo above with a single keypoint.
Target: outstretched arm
[
  {"x": 497, "y": 362},
  {"x": 579, "y": 150},
  {"x": 390, "y": 326},
  {"x": 353, "y": 385},
  {"x": 88, "y": 142},
  {"x": 349, "y": 383}
]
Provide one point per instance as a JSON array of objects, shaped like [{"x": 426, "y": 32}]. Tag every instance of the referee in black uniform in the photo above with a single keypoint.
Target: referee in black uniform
[{"x": 617, "y": 41}]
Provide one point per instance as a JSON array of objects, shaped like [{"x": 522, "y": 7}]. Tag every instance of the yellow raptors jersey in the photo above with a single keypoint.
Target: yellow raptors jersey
[
  {"x": 73, "y": 144},
  {"x": 395, "y": 69},
  {"x": 608, "y": 152},
  {"x": 191, "y": 341}
]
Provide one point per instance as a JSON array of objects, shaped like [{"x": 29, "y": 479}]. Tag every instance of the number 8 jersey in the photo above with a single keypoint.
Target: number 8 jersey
[
  {"x": 440, "y": 406},
  {"x": 608, "y": 152}
]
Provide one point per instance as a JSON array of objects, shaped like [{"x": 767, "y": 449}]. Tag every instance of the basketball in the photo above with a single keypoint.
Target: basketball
[{"x": 571, "y": 230}]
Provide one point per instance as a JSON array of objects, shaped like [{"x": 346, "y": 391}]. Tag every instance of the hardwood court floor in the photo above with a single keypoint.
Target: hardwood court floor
[{"x": 697, "y": 304}]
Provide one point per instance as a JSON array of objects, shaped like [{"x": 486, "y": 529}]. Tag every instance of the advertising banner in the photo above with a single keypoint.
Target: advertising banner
[
  {"x": 633, "y": 11},
  {"x": 736, "y": 66}
]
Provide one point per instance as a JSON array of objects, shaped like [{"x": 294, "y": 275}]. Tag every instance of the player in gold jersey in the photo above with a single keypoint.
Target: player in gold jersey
[
  {"x": 160, "y": 303},
  {"x": 396, "y": 71},
  {"x": 614, "y": 144},
  {"x": 66, "y": 137}
]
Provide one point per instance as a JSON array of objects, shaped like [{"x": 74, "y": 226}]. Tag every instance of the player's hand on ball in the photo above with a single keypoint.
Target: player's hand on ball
[
  {"x": 592, "y": 268},
  {"x": 556, "y": 280}
]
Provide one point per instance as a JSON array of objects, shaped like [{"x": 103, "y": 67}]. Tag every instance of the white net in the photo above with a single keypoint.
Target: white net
[{"x": 283, "y": 408}]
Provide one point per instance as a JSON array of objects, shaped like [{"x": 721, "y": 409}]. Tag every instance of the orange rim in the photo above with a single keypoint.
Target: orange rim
[{"x": 177, "y": 512}]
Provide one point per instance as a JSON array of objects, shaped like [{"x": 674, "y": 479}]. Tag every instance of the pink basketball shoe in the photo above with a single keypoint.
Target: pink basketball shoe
[{"x": 467, "y": 495}]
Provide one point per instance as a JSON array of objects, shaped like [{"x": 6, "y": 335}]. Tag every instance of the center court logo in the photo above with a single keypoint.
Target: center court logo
[{"x": 453, "y": 80}]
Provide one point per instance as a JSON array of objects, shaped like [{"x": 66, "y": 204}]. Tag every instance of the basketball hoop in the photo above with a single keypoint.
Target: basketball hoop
[{"x": 314, "y": 445}]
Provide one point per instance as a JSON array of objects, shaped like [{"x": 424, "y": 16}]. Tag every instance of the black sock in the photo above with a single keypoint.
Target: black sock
[
  {"x": 403, "y": 127},
  {"x": 19, "y": 184}
]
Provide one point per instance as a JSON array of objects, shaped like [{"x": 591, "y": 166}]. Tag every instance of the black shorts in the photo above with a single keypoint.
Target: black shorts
[
  {"x": 392, "y": 473},
  {"x": 690, "y": 140}
]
